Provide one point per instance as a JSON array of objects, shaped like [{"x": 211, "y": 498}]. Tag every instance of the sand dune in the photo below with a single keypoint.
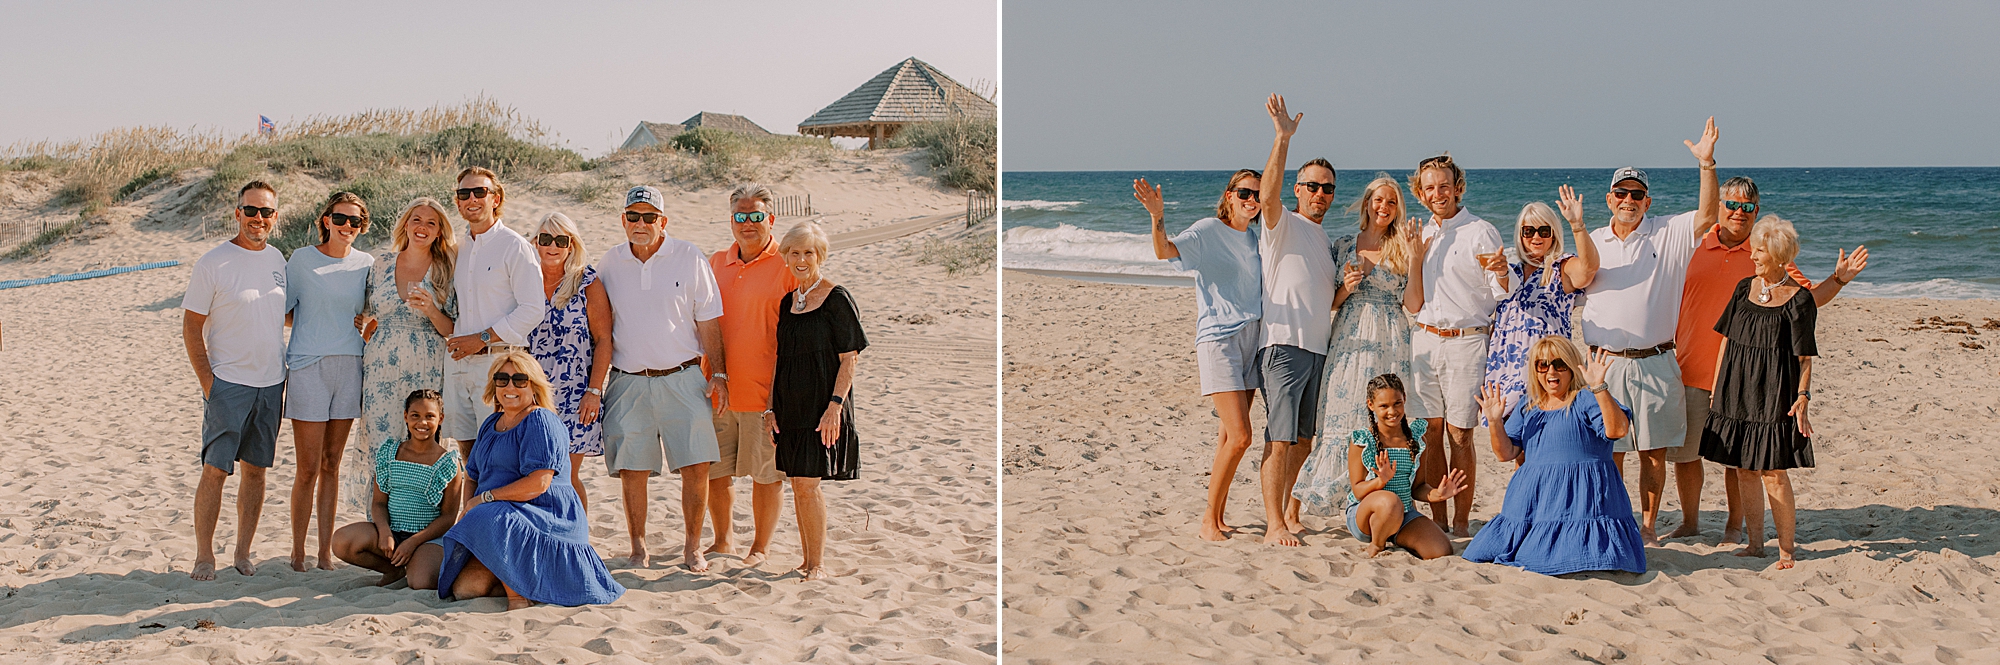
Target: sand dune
[{"x": 1106, "y": 456}]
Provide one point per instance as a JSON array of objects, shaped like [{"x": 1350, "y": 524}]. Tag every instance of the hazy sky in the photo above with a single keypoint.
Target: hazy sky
[
  {"x": 588, "y": 70},
  {"x": 1181, "y": 85}
]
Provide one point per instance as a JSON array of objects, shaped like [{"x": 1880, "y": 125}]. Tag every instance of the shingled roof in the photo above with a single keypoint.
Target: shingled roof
[
  {"x": 911, "y": 91},
  {"x": 723, "y": 121}
]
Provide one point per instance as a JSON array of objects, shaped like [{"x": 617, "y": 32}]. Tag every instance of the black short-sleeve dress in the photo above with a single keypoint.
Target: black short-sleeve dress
[
  {"x": 1758, "y": 381},
  {"x": 809, "y": 348}
]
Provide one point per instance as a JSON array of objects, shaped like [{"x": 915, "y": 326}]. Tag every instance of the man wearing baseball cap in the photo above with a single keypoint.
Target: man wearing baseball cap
[{"x": 665, "y": 311}]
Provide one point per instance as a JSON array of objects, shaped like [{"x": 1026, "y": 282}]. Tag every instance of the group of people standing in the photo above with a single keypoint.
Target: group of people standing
[
  {"x": 485, "y": 367},
  {"x": 1402, "y": 338}
]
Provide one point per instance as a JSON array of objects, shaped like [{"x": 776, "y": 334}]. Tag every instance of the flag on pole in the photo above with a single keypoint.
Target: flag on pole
[{"x": 265, "y": 127}]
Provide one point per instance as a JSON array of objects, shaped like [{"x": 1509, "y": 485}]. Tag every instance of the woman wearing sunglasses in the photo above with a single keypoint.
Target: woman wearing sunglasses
[
  {"x": 523, "y": 535},
  {"x": 1566, "y": 509},
  {"x": 327, "y": 285},
  {"x": 409, "y": 314},
  {"x": 1549, "y": 279},
  {"x": 573, "y": 343}
]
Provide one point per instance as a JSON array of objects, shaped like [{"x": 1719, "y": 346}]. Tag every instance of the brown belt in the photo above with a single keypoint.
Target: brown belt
[
  {"x": 1635, "y": 354},
  {"x": 663, "y": 372},
  {"x": 1454, "y": 332}
]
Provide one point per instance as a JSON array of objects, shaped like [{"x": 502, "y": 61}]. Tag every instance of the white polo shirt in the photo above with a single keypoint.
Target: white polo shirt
[
  {"x": 243, "y": 295},
  {"x": 1458, "y": 293},
  {"x": 499, "y": 284},
  {"x": 655, "y": 304},
  {"x": 1299, "y": 281},
  {"x": 1635, "y": 301}
]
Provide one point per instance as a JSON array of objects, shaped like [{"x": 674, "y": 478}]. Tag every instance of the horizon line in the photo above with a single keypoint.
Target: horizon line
[{"x": 1338, "y": 168}]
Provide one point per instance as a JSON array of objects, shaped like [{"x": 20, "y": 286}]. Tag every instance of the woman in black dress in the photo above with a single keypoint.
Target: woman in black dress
[
  {"x": 812, "y": 413},
  {"x": 1757, "y": 417}
]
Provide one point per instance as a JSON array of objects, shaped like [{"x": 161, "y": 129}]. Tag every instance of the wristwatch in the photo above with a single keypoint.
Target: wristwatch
[
  {"x": 719, "y": 375},
  {"x": 595, "y": 391},
  {"x": 486, "y": 496},
  {"x": 1600, "y": 387},
  {"x": 836, "y": 399},
  {"x": 486, "y": 336},
  {"x": 1806, "y": 394}
]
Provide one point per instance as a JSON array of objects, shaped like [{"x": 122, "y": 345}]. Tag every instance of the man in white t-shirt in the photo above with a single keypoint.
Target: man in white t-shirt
[
  {"x": 498, "y": 280},
  {"x": 1299, "y": 282},
  {"x": 1632, "y": 310},
  {"x": 659, "y": 411},
  {"x": 233, "y": 324},
  {"x": 1452, "y": 294}
]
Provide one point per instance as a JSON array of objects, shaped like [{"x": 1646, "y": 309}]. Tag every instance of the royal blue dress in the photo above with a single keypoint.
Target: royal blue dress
[
  {"x": 539, "y": 547},
  {"x": 1566, "y": 509}
]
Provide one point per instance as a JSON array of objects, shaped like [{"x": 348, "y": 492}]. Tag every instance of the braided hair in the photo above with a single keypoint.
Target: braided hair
[{"x": 1387, "y": 382}]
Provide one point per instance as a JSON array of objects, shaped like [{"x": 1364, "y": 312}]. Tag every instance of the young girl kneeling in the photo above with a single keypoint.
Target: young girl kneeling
[
  {"x": 416, "y": 500},
  {"x": 1382, "y": 505}
]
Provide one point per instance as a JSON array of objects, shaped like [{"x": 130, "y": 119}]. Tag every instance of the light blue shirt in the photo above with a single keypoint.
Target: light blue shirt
[
  {"x": 324, "y": 294},
  {"x": 1228, "y": 277}
]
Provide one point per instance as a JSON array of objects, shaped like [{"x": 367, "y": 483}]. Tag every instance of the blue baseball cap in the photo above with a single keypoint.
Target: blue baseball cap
[{"x": 648, "y": 195}]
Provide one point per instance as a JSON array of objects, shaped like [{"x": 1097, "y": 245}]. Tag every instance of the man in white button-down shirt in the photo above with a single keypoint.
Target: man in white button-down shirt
[
  {"x": 1452, "y": 293},
  {"x": 499, "y": 287}
]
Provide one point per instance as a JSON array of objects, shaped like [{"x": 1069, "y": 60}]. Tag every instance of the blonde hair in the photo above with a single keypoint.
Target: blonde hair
[
  {"x": 573, "y": 265},
  {"x": 1539, "y": 212},
  {"x": 1777, "y": 237},
  {"x": 1395, "y": 250},
  {"x": 444, "y": 250},
  {"x": 805, "y": 233},
  {"x": 498, "y": 195},
  {"x": 1553, "y": 347},
  {"x": 525, "y": 363}
]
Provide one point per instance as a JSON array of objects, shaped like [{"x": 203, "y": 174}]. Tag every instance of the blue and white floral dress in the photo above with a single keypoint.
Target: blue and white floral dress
[
  {"x": 563, "y": 345},
  {"x": 1535, "y": 310},
  {"x": 406, "y": 354},
  {"x": 1371, "y": 337}
]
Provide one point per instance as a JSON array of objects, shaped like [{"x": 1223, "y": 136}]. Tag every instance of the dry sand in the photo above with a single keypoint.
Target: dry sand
[
  {"x": 98, "y": 463},
  {"x": 1107, "y": 451}
]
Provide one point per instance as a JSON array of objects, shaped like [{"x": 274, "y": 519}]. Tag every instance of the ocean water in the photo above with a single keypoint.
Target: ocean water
[{"x": 1930, "y": 232}]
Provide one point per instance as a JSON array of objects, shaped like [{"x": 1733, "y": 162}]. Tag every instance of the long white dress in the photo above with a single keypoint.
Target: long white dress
[{"x": 1371, "y": 336}]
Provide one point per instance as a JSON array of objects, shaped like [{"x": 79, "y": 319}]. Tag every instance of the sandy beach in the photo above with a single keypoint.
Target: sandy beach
[
  {"x": 99, "y": 458},
  {"x": 1107, "y": 447}
]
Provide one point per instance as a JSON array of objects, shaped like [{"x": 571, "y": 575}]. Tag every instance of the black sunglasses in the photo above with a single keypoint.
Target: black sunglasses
[
  {"x": 547, "y": 239},
  {"x": 1248, "y": 194},
  {"x": 757, "y": 217},
  {"x": 1542, "y": 231},
  {"x": 1622, "y": 193},
  {"x": 343, "y": 219},
  {"x": 1317, "y": 187},
  {"x": 254, "y": 211},
  {"x": 501, "y": 379},
  {"x": 1744, "y": 206},
  {"x": 647, "y": 217},
  {"x": 471, "y": 193},
  {"x": 1551, "y": 365}
]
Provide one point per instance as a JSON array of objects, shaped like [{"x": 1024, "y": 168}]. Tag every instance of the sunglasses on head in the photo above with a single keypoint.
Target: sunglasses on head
[
  {"x": 342, "y": 219},
  {"x": 547, "y": 239},
  {"x": 757, "y": 217},
  {"x": 254, "y": 211},
  {"x": 1538, "y": 231},
  {"x": 1622, "y": 193},
  {"x": 1551, "y": 365},
  {"x": 1744, "y": 206},
  {"x": 646, "y": 217},
  {"x": 1440, "y": 160},
  {"x": 1317, "y": 187},
  {"x": 1247, "y": 194},
  {"x": 465, "y": 193},
  {"x": 501, "y": 379}
]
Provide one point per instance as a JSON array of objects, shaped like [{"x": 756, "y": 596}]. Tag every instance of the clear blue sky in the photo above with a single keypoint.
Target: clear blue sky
[
  {"x": 588, "y": 70},
  {"x": 1181, "y": 85}
]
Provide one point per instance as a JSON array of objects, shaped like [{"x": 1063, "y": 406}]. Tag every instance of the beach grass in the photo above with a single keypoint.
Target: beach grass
[
  {"x": 970, "y": 251},
  {"x": 961, "y": 149}
]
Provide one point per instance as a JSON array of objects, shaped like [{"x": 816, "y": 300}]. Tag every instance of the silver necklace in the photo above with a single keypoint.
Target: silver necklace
[
  {"x": 799, "y": 299},
  {"x": 1764, "y": 295}
]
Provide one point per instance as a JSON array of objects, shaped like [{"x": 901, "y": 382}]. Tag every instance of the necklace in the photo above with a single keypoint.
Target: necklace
[
  {"x": 1764, "y": 292},
  {"x": 799, "y": 299}
]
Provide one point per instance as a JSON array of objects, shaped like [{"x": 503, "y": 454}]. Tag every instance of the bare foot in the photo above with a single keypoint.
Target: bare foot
[
  {"x": 326, "y": 562},
  {"x": 1292, "y": 525},
  {"x": 244, "y": 567},
  {"x": 639, "y": 558},
  {"x": 1211, "y": 533},
  {"x": 204, "y": 570},
  {"x": 1373, "y": 550},
  {"x": 696, "y": 561},
  {"x": 390, "y": 578},
  {"x": 1757, "y": 551},
  {"x": 813, "y": 573},
  {"x": 1461, "y": 530},
  {"x": 518, "y": 603},
  {"x": 1731, "y": 537},
  {"x": 1686, "y": 529},
  {"x": 1282, "y": 537},
  {"x": 722, "y": 547},
  {"x": 1648, "y": 536},
  {"x": 1785, "y": 560},
  {"x": 299, "y": 562},
  {"x": 755, "y": 559}
]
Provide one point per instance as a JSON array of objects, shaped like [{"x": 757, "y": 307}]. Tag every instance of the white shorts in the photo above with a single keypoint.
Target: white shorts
[
  {"x": 1445, "y": 374},
  {"x": 465, "y": 382},
  {"x": 1651, "y": 388}
]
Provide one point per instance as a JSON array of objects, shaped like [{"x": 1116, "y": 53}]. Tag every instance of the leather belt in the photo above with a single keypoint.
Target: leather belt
[
  {"x": 1454, "y": 332},
  {"x": 662, "y": 372},
  {"x": 1635, "y": 354}
]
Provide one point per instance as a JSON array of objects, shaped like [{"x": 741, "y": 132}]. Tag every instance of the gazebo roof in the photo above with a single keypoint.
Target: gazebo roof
[{"x": 911, "y": 91}]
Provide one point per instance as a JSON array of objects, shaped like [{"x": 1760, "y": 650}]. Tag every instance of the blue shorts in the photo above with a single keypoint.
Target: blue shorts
[
  {"x": 1352, "y": 508},
  {"x": 240, "y": 423}
]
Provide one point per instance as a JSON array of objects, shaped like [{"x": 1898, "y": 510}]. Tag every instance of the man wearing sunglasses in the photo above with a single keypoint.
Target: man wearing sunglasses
[
  {"x": 498, "y": 280},
  {"x": 233, "y": 324},
  {"x": 658, "y": 413},
  {"x": 753, "y": 280},
  {"x": 1299, "y": 283}
]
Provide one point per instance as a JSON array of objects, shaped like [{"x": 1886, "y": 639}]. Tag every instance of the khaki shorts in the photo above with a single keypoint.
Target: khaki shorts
[
  {"x": 746, "y": 448},
  {"x": 1697, "y": 419}
]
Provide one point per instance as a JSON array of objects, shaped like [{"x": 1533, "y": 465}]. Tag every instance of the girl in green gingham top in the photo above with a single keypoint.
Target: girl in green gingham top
[{"x": 415, "y": 501}]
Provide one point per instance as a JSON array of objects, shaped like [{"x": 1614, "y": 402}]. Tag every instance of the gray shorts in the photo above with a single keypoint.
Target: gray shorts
[
  {"x": 656, "y": 422},
  {"x": 1291, "y": 391},
  {"x": 1697, "y": 418},
  {"x": 240, "y": 423},
  {"x": 326, "y": 390},
  {"x": 1230, "y": 364},
  {"x": 1651, "y": 387}
]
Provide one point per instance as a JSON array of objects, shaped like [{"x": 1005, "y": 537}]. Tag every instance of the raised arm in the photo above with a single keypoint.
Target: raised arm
[
  {"x": 1357, "y": 473},
  {"x": 1844, "y": 270},
  {"x": 1577, "y": 273},
  {"x": 1707, "y": 210},
  {"x": 1616, "y": 425},
  {"x": 1149, "y": 196},
  {"x": 1494, "y": 405},
  {"x": 1272, "y": 192}
]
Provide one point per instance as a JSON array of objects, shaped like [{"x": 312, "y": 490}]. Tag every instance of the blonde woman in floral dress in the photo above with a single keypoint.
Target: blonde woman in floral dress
[{"x": 405, "y": 327}]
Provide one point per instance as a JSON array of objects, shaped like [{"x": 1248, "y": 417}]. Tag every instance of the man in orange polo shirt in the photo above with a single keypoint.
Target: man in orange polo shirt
[
  {"x": 754, "y": 281},
  {"x": 1720, "y": 261}
]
